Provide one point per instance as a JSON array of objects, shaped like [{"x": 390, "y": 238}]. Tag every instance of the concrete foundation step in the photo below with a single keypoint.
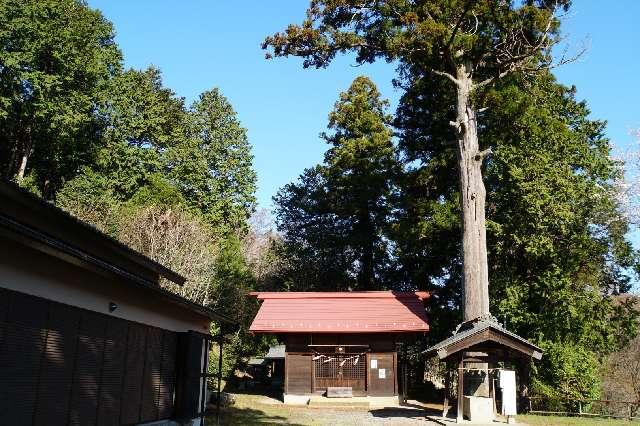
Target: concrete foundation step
[{"x": 325, "y": 402}]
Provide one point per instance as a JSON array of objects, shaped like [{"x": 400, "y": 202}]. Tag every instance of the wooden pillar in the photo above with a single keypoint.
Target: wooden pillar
[
  {"x": 447, "y": 390},
  {"x": 460, "y": 415},
  {"x": 219, "y": 380},
  {"x": 524, "y": 382},
  {"x": 492, "y": 393}
]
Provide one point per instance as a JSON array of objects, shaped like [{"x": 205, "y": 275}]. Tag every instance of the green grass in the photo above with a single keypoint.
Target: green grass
[
  {"x": 252, "y": 410},
  {"x": 538, "y": 420}
]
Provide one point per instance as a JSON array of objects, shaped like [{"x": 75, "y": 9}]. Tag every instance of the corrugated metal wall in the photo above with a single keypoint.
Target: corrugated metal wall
[{"x": 64, "y": 365}]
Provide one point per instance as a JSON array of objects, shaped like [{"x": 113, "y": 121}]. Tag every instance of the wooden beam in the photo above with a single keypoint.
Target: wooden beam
[
  {"x": 491, "y": 341},
  {"x": 460, "y": 416}
]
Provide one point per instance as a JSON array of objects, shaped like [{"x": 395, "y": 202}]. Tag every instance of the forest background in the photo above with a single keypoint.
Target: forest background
[{"x": 176, "y": 180}]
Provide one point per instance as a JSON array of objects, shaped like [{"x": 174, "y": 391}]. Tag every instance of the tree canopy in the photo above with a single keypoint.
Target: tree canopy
[
  {"x": 482, "y": 127},
  {"x": 479, "y": 101},
  {"x": 212, "y": 167},
  {"x": 57, "y": 58},
  {"x": 335, "y": 219}
]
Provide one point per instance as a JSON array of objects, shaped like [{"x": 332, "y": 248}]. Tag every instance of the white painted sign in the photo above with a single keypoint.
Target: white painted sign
[
  {"x": 508, "y": 386},
  {"x": 382, "y": 374},
  {"x": 374, "y": 363}
]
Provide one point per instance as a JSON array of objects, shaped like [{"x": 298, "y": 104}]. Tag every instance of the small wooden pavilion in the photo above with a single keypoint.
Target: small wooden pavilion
[
  {"x": 341, "y": 339},
  {"x": 475, "y": 350}
]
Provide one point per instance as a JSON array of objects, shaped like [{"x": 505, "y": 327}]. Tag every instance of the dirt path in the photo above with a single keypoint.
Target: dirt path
[{"x": 260, "y": 410}]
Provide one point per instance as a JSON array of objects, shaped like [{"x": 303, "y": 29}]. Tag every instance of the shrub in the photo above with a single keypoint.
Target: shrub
[{"x": 566, "y": 373}]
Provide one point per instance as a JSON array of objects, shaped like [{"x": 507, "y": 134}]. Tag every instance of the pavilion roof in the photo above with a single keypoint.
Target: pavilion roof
[
  {"x": 484, "y": 333},
  {"x": 341, "y": 312}
]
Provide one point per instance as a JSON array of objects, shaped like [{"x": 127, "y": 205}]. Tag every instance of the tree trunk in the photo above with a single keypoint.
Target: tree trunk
[
  {"x": 22, "y": 167},
  {"x": 472, "y": 200},
  {"x": 367, "y": 236},
  {"x": 26, "y": 152}
]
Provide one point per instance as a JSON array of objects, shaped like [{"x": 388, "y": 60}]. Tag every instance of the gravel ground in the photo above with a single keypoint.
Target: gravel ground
[{"x": 260, "y": 410}]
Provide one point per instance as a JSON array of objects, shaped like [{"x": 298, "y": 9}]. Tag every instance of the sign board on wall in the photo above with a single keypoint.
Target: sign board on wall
[
  {"x": 382, "y": 374},
  {"x": 374, "y": 363}
]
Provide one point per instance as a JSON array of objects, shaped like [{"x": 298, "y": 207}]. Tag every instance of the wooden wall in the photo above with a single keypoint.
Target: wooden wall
[
  {"x": 386, "y": 384},
  {"x": 383, "y": 342},
  {"x": 380, "y": 348},
  {"x": 63, "y": 365}
]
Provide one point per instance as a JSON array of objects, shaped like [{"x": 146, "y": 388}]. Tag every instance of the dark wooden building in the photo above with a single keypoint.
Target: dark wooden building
[
  {"x": 343, "y": 340},
  {"x": 87, "y": 334}
]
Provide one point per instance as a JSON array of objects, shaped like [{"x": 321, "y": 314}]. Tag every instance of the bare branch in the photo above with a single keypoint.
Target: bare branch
[
  {"x": 447, "y": 75},
  {"x": 459, "y": 22},
  {"x": 514, "y": 52},
  {"x": 490, "y": 80}
]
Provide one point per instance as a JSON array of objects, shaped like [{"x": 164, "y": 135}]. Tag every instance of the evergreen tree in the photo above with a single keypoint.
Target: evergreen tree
[
  {"x": 337, "y": 216},
  {"x": 144, "y": 119},
  {"x": 315, "y": 245},
  {"x": 157, "y": 152},
  {"x": 556, "y": 234},
  {"x": 470, "y": 45},
  {"x": 213, "y": 165},
  {"x": 56, "y": 59}
]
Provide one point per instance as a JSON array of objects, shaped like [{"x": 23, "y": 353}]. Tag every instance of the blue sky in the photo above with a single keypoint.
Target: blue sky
[{"x": 201, "y": 44}]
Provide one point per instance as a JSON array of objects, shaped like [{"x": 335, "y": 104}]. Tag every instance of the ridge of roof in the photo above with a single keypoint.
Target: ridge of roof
[{"x": 422, "y": 295}]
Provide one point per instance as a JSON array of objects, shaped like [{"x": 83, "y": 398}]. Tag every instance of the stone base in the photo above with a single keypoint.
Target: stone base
[
  {"x": 478, "y": 409},
  {"x": 339, "y": 392},
  {"x": 290, "y": 399},
  {"x": 192, "y": 422}
]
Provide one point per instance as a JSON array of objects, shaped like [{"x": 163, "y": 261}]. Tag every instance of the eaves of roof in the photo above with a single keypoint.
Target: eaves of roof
[
  {"x": 472, "y": 328},
  {"x": 24, "y": 199}
]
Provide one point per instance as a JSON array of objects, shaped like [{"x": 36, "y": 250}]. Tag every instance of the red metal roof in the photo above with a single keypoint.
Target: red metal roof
[{"x": 341, "y": 312}]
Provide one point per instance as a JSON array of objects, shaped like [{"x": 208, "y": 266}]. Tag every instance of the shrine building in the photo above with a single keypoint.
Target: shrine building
[{"x": 345, "y": 341}]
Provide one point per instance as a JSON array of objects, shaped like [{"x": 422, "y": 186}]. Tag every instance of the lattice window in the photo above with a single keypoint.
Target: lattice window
[{"x": 340, "y": 366}]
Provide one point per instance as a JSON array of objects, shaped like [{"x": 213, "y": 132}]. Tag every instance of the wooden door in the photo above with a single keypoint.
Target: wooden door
[
  {"x": 381, "y": 374},
  {"x": 298, "y": 373}
]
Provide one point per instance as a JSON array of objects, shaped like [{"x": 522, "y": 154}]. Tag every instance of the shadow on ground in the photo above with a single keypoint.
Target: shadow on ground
[
  {"x": 398, "y": 412},
  {"x": 231, "y": 416},
  {"x": 413, "y": 411}
]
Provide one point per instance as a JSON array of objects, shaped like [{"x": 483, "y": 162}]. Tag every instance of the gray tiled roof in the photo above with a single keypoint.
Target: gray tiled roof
[
  {"x": 275, "y": 352},
  {"x": 470, "y": 328},
  {"x": 256, "y": 361}
]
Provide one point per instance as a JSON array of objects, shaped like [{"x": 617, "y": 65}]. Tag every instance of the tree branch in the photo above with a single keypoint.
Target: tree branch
[
  {"x": 466, "y": 8},
  {"x": 483, "y": 154},
  {"x": 447, "y": 75}
]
